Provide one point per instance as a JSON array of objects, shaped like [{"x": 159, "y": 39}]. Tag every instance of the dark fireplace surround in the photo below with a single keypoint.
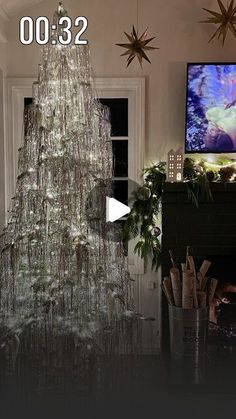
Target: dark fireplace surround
[{"x": 210, "y": 230}]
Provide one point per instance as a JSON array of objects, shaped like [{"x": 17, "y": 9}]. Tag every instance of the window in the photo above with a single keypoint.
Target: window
[
  {"x": 119, "y": 115},
  {"x": 27, "y": 101},
  {"x": 120, "y": 136}
]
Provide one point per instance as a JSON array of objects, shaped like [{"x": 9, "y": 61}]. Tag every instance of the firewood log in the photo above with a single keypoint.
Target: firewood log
[
  {"x": 176, "y": 286},
  {"x": 202, "y": 299},
  {"x": 204, "y": 282},
  {"x": 202, "y": 273},
  {"x": 187, "y": 255},
  {"x": 187, "y": 291},
  {"x": 172, "y": 259},
  {"x": 193, "y": 270},
  {"x": 211, "y": 290},
  {"x": 184, "y": 267},
  {"x": 167, "y": 286}
]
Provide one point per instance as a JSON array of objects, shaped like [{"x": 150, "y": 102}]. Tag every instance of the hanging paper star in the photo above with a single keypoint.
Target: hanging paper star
[
  {"x": 226, "y": 20},
  {"x": 137, "y": 47}
]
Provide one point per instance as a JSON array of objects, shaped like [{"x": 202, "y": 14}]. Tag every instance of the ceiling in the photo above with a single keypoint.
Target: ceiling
[{"x": 9, "y": 8}]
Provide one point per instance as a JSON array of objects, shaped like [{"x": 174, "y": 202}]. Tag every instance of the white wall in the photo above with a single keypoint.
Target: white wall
[
  {"x": 181, "y": 39},
  {"x": 2, "y": 180},
  {"x": 3, "y": 65}
]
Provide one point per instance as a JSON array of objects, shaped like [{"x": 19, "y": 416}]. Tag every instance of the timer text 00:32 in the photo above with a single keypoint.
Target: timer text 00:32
[{"x": 42, "y": 32}]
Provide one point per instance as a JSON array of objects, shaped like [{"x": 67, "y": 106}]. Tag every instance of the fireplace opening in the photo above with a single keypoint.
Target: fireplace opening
[{"x": 222, "y": 315}]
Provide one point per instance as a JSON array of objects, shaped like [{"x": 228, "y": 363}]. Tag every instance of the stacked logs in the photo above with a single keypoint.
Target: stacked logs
[{"x": 189, "y": 288}]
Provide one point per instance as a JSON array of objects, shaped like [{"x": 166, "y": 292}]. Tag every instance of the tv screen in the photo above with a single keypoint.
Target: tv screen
[{"x": 211, "y": 108}]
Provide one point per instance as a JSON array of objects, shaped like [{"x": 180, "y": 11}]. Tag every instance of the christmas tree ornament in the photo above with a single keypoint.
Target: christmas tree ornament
[
  {"x": 61, "y": 11},
  {"x": 156, "y": 231},
  {"x": 226, "y": 20},
  {"x": 144, "y": 193},
  {"x": 210, "y": 175},
  {"x": 198, "y": 169}
]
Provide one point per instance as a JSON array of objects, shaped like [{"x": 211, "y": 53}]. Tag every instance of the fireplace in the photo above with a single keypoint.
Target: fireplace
[{"x": 210, "y": 230}]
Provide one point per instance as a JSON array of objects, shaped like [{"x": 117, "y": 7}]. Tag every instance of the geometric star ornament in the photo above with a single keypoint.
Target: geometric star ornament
[
  {"x": 226, "y": 20},
  {"x": 137, "y": 47}
]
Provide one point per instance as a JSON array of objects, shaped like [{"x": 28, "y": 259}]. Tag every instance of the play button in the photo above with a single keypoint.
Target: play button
[
  {"x": 115, "y": 210},
  {"x": 102, "y": 210}
]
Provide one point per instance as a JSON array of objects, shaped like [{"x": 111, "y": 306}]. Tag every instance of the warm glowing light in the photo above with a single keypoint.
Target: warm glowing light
[{"x": 221, "y": 166}]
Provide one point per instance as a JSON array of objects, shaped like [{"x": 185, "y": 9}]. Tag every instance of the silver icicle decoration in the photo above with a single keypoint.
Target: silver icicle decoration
[{"x": 58, "y": 277}]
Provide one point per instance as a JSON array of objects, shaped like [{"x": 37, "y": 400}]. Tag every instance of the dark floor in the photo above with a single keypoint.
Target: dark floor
[{"x": 145, "y": 386}]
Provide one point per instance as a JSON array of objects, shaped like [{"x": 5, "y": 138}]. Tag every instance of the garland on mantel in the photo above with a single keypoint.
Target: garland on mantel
[{"x": 144, "y": 218}]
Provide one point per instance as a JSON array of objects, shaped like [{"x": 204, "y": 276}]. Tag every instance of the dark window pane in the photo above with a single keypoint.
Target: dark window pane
[
  {"x": 119, "y": 116},
  {"x": 120, "y": 158},
  {"x": 28, "y": 101},
  {"x": 120, "y": 191}
]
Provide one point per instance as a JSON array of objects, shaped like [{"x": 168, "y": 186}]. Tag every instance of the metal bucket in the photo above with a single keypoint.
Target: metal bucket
[{"x": 188, "y": 332}]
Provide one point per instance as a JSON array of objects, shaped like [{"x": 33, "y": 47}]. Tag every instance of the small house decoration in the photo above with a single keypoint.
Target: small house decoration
[{"x": 175, "y": 166}]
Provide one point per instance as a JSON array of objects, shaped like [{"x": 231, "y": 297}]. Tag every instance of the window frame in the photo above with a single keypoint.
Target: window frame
[{"x": 17, "y": 89}]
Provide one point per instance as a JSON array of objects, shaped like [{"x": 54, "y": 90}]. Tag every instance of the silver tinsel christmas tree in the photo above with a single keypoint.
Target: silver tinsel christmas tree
[{"x": 58, "y": 276}]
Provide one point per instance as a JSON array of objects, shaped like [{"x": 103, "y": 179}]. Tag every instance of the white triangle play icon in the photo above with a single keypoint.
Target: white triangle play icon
[{"x": 115, "y": 210}]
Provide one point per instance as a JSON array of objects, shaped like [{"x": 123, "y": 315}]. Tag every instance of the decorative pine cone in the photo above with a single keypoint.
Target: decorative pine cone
[
  {"x": 210, "y": 175},
  {"x": 226, "y": 173}
]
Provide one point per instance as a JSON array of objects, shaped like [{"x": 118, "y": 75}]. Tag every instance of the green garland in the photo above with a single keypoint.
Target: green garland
[{"x": 143, "y": 221}]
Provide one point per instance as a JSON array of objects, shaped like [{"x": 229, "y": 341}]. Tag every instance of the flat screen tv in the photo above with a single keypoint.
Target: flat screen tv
[{"x": 211, "y": 108}]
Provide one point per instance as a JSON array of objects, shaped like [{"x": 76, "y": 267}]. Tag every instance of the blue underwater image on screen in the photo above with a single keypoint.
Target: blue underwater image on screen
[{"x": 211, "y": 108}]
